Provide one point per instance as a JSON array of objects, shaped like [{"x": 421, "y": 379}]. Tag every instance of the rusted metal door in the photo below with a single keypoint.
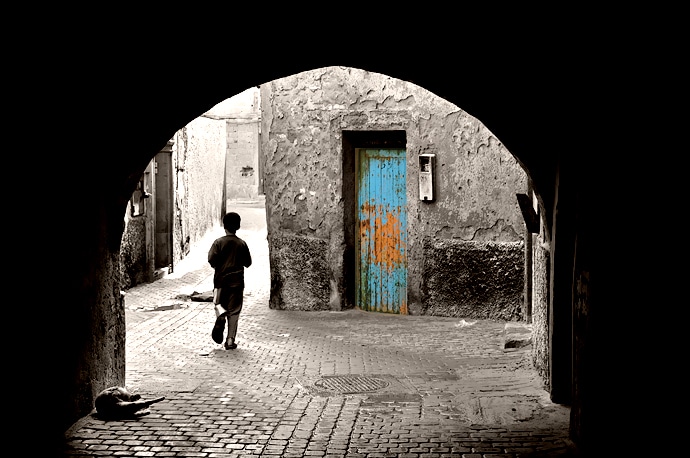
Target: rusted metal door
[{"x": 382, "y": 236}]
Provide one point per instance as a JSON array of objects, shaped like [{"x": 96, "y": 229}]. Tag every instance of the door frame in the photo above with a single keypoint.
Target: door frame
[{"x": 352, "y": 139}]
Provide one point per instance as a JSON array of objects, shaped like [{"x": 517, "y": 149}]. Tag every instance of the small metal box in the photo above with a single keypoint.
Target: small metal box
[{"x": 426, "y": 177}]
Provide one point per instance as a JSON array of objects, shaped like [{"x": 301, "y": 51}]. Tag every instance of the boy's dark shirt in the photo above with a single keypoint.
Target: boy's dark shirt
[{"x": 229, "y": 255}]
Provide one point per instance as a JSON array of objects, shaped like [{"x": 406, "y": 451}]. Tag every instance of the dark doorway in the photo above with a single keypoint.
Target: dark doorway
[{"x": 163, "y": 208}]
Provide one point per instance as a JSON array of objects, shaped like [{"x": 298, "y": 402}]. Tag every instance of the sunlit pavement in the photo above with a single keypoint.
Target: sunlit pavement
[{"x": 348, "y": 384}]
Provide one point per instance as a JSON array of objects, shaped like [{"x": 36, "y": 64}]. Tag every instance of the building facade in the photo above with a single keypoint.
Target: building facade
[
  {"x": 381, "y": 195},
  {"x": 178, "y": 200},
  {"x": 242, "y": 117}
]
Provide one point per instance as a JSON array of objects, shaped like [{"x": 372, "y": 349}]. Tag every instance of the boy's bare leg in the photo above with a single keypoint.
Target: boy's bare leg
[{"x": 232, "y": 330}]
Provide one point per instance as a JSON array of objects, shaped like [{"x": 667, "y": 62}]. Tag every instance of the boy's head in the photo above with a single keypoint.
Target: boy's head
[{"x": 231, "y": 221}]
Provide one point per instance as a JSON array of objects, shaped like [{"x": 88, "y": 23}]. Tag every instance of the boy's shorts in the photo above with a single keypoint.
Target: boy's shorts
[{"x": 231, "y": 299}]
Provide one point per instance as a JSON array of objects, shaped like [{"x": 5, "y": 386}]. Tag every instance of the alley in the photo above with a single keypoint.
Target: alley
[{"x": 346, "y": 384}]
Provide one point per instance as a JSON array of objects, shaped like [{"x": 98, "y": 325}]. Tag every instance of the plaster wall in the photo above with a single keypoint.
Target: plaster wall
[
  {"x": 242, "y": 116},
  {"x": 303, "y": 120},
  {"x": 242, "y": 163},
  {"x": 199, "y": 171},
  {"x": 198, "y": 161}
]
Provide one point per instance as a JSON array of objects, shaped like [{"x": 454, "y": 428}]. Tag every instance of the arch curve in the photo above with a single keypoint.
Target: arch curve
[{"x": 128, "y": 114}]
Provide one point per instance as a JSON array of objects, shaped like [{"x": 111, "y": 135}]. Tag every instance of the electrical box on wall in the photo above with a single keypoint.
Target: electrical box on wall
[{"x": 426, "y": 177}]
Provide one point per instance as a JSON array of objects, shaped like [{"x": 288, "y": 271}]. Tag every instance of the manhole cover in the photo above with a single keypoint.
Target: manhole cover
[{"x": 350, "y": 384}]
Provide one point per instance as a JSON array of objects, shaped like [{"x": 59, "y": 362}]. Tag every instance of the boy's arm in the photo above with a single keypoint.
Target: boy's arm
[
  {"x": 248, "y": 257},
  {"x": 212, "y": 254}
]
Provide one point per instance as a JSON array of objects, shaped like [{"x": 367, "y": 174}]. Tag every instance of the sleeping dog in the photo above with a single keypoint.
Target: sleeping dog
[{"x": 117, "y": 403}]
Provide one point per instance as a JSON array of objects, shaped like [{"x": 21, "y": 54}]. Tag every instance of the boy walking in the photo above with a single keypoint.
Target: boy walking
[{"x": 228, "y": 256}]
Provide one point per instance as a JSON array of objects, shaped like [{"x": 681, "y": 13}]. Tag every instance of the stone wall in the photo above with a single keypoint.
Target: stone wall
[
  {"x": 136, "y": 246},
  {"x": 300, "y": 275},
  {"x": 473, "y": 279},
  {"x": 540, "y": 307},
  {"x": 309, "y": 170},
  {"x": 133, "y": 251}
]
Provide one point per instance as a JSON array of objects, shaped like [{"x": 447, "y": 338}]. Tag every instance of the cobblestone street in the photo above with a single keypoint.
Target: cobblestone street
[{"x": 341, "y": 384}]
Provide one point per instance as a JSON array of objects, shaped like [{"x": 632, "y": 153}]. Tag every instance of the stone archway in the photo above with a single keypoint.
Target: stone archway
[{"x": 90, "y": 330}]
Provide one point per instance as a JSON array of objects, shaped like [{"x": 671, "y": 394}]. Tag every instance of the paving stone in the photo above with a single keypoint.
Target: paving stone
[{"x": 450, "y": 390}]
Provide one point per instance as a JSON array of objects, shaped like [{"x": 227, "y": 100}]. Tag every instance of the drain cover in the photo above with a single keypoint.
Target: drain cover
[{"x": 350, "y": 384}]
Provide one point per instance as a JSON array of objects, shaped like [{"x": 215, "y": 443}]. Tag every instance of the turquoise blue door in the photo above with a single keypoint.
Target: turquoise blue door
[{"x": 381, "y": 242}]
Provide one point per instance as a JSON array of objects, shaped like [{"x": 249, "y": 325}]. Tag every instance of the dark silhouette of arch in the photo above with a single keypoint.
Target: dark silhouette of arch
[{"x": 126, "y": 105}]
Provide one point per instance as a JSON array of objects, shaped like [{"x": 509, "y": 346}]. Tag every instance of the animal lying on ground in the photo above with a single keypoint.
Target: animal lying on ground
[{"x": 117, "y": 402}]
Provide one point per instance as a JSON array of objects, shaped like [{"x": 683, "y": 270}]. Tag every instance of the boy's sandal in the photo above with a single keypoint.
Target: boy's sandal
[
  {"x": 218, "y": 328},
  {"x": 231, "y": 346}
]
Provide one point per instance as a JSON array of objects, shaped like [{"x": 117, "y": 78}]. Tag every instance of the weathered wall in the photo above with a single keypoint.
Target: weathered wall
[
  {"x": 300, "y": 274},
  {"x": 473, "y": 279},
  {"x": 242, "y": 163},
  {"x": 198, "y": 156},
  {"x": 303, "y": 120},
  {"x": 241, "y": 113},
  {"x": 93, "y": 352},
  {"x": 133, "y": 250},
  {"x": 540, "y": 306},
  {"x": 89, "y": 358},
  {"x": 199, "y": 169}
]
